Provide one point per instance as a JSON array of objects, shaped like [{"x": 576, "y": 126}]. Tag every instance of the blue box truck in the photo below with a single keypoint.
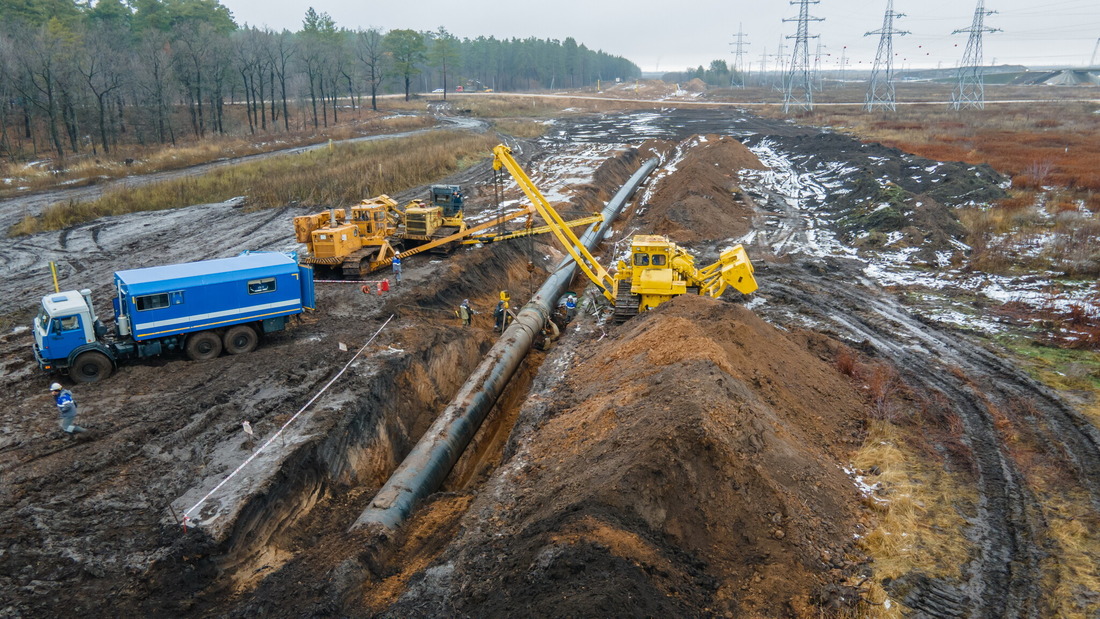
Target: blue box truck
[{"x": 200, "y": 308}]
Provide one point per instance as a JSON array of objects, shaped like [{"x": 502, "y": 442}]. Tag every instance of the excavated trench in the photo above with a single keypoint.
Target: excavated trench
[
  {"x": 380, "y": 412},
  {"x": 286, "y": 550}
]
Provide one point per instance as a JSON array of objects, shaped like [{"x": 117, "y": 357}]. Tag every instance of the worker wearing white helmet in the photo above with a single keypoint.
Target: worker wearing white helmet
[{"x": 67, "y": 407}]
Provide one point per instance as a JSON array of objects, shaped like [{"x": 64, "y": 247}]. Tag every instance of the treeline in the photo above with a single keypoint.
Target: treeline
[{"x": 77, "y": 78}]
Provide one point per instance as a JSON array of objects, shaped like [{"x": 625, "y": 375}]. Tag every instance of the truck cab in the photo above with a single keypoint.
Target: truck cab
[{"x": 65, "y": 324}]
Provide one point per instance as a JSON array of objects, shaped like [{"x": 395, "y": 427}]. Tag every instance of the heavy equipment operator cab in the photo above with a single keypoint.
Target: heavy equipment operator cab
[
  {"x": 64, "y": 323},
  {"x": 650, "y": 274},
  {"x": 450, "y": 198}
]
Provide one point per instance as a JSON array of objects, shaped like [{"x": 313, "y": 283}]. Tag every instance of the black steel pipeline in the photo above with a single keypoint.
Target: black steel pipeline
[{"x": 434, "y": 455}]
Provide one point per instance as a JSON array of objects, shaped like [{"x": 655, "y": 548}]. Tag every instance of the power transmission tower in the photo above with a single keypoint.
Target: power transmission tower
[
  {"x": 843, "y": 66},
  {"x": 800, "y": 85},
  {"x": 817, "y": 66},
  {"x": 737, "y": 77},
  {"x": 880, "y": 94},
  {"x": 970, "y": 93},
  {"x": 764, "y": 67}
]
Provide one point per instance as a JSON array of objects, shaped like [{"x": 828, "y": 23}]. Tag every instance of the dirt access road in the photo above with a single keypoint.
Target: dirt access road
[{"x": 90, "y": 520}]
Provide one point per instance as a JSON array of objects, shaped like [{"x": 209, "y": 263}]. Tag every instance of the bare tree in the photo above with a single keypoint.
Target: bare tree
[
  {"x": 152, "y": 81},
  {"x": 102, "y": 67},
  {"x": 281, "y": 51},
  {"x": 38, "y": 55},
  {"x": 370, "y": 51},
  {"x": 444, "y": 53}
]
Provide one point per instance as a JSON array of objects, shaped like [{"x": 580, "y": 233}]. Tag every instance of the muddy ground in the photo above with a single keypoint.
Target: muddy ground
[{"x": 687, "y": 463}]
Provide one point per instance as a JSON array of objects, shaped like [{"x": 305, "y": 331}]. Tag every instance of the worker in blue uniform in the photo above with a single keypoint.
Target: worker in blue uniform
[{"x": 66, "y": 406}]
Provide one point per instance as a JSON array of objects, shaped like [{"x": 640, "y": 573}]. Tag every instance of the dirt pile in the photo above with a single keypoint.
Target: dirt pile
[
  {"x": 674, "y": 471},
  {"x": 702, "y": 200}
]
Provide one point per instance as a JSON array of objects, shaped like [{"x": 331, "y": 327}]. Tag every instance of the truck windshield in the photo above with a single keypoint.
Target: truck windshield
[{"x": 42, "y": 320}]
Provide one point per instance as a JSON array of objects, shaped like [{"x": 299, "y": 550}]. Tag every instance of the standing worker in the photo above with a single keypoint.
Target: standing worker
[
  {"x": 498, "y": 315},
  {"x": 570, "y": 307},
  {"x": 397, "y": 269},
  {"x": 465, "y": 312},
  {"x": 501, "y": 312},
  {"x": 67, "y": 408}
]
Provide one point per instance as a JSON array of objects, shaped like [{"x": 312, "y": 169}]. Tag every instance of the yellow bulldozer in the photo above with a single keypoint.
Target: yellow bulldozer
[
  {"x": 658, "y": 269},
  {"x": 353, "y": 242},
  {"x": 350, "y": 246}
]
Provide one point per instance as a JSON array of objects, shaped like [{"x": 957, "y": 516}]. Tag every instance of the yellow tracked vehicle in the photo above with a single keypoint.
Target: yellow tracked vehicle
[
  {"x": 352, "y": 246},
  {"x": 658, "y": 269}
]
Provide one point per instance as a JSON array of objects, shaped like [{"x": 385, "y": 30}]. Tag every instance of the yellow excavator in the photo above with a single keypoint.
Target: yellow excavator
[{"x": 658, "y": 269}]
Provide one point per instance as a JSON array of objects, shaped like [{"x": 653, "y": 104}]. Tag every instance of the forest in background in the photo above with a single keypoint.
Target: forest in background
[{"x": 77, "y": 78}]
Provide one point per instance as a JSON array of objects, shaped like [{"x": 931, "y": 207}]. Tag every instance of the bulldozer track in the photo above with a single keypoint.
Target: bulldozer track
[{"x": 626, "y": 304}]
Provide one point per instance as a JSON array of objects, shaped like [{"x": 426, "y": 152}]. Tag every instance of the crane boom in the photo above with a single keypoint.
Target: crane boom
[
  {"x": 502, "y": 158},
  {"x": 658, "y": 270}
]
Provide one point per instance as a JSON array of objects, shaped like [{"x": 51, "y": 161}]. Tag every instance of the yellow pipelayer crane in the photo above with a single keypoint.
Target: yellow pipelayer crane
[{"x": 658, "y": 269}]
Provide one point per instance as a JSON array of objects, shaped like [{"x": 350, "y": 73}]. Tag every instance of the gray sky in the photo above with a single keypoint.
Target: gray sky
[{"x": 667, "y": 35}]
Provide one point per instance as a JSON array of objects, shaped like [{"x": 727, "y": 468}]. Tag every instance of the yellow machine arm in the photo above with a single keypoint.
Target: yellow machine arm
[
  {"x": 529, "y": 230},
  {"x": 456, "y": 236},
  {"x": 732, "y": 269},
  {"x": 502, "y": 158}
]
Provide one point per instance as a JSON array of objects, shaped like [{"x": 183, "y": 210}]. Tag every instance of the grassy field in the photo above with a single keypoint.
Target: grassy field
[
  {"x": 134, "y": 160},
  {"x": 340, "y": 174}
]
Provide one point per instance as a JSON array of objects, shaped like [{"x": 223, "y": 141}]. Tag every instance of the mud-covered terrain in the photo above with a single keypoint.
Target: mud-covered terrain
[{"x": 690, "y": 462}]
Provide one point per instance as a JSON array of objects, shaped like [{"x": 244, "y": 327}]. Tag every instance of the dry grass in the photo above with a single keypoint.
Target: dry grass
[
  {"x": 1073, "y": 579},
  {"x": 1052, "y": 144},
  {"x": 134, "y": 160},
  {"x": 340, "y": 174},
  {"x": 921, "y": 522}
]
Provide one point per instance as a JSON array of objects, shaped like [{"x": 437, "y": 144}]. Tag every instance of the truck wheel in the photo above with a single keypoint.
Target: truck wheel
[
  {"x": 203, "y": 346},
  {"x": 240, "y": 339},
  {"x": 90, "y": 367}
]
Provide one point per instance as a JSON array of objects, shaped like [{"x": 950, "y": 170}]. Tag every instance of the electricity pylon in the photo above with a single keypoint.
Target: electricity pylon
[
  {"x": 737, "y": 76},
  {"x": 970, "y": 93},
  {"x": 880, "y": 93},
  {"x": 800, "y": 87}
]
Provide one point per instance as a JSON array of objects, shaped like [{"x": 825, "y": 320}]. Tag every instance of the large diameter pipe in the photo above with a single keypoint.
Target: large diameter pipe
[{"x": 434, "y": 455}]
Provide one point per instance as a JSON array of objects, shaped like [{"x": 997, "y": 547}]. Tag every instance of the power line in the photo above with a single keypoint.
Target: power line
[
  {"x": 880, "y": 93},
  {"x": 799, "y": 82},
  {"x": 970, "y": 93}
]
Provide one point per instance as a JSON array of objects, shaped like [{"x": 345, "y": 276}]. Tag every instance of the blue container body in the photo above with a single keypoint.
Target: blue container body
[{"x": 182, "y": 298}]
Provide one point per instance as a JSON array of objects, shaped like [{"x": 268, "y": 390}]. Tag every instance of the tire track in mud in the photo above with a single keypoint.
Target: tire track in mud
[
  {"x": 1004, "y": 577},
  {"x": 1006, "y": 574}
]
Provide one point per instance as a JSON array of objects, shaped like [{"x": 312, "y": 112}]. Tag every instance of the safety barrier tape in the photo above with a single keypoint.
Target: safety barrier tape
[
  {"x": 187, "y": 513},
  {"x": 350, "y": 281}
]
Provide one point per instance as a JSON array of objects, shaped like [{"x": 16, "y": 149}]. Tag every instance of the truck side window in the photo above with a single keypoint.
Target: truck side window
[
  {"x": 258, "y": 286},
  {"x": 658, "y": 260},
  {"x": 67, "y": 323},
  {"x": 641, "y": 260},
  {"x": 151, "y": 301}
]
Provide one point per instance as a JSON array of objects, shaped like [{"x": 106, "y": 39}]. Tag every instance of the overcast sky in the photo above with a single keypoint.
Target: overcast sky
[{"x": 668, "y": 36}]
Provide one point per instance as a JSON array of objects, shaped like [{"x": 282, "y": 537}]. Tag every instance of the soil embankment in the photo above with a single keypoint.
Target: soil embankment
[{"x": 674, "y": 470}]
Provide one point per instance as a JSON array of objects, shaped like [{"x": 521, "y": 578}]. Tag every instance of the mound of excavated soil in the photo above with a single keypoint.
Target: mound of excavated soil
[
  {"x": 684, "y": 466},
  {"x": 702, "y": 200}
]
